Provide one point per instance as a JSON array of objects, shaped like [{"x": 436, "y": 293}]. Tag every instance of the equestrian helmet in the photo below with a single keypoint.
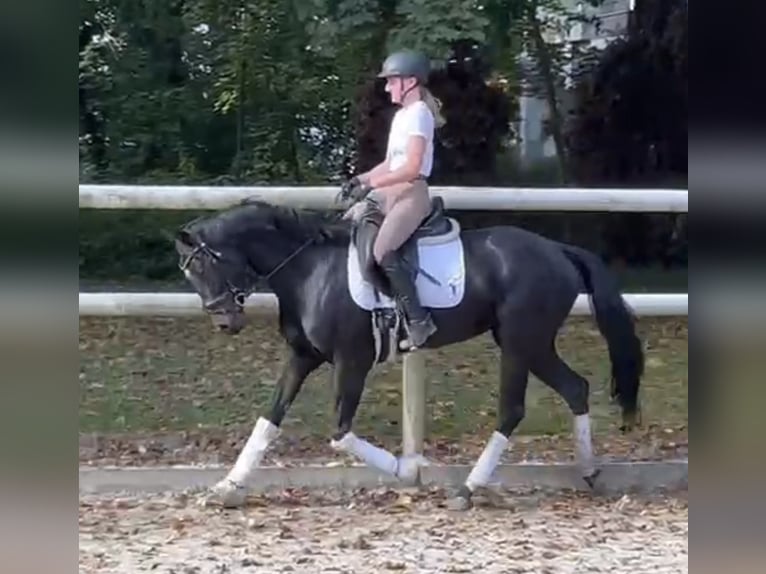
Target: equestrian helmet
[{"x": 406, "y": 63}]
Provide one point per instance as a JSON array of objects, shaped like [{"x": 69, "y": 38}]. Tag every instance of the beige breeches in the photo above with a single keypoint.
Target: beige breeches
[{"x": 403, "y": 215}]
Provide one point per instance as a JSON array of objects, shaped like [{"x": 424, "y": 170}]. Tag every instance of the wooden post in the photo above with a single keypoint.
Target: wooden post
[{"x": 413, "y": 403}]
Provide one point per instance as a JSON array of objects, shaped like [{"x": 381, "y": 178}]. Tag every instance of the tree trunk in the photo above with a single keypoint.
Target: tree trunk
[
  {"x": 545, "y": 67},
  {"x": 240, "y": 120}
]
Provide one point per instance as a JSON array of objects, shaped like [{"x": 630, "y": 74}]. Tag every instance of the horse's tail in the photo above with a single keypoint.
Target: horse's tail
[{"x": 616, "y": 323}]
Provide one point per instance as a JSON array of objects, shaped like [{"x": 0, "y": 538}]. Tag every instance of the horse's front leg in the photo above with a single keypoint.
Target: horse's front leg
[
  {"x": 232, "y": 490},
  {"x": 350, "y": 375}
]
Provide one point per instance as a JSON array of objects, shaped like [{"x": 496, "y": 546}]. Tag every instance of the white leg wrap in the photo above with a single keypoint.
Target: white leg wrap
[
  {"x": 372, "y": 455},
  {"x": 584, "y": 444},
  {"x": 487, "y": 462},
  {"x": 409, "y": 468},
  {"x": 263, "y": 433}
]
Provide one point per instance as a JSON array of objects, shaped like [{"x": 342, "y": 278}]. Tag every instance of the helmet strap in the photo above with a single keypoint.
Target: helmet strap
[{"x": 408, "y": 90}]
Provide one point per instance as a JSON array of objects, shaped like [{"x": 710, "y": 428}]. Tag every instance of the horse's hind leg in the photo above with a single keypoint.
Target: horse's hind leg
[
  {"x": 573, "y": 388},
  {"x": 513, "y": 388},
  {"x": 232, "y": 490}
]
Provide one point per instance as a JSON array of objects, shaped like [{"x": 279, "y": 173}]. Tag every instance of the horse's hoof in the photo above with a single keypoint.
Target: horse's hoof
[
  {"x": 459, "y": 504},
  {"x": 409, "y": 468},
  {"x": 228, "y": 494},
  {"x": 591, "y": 478}
]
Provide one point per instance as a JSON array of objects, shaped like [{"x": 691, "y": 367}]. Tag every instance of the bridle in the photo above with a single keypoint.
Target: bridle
[{"x": 238, "y": 295}]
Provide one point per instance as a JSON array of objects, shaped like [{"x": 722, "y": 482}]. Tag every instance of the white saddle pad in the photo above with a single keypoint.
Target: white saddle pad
[{"x": 441, "y": 257}]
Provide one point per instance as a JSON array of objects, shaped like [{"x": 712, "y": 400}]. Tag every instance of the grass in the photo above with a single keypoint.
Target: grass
[{"x": 159, "y": 375}]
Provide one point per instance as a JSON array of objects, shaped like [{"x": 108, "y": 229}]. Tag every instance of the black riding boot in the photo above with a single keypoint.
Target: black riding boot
[{"x": 421, "y": 325}]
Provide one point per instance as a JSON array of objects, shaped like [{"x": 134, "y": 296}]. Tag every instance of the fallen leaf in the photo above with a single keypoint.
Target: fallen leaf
[
  {"x": 404, "y": 500},
  {"x": 361, "y": 543}
]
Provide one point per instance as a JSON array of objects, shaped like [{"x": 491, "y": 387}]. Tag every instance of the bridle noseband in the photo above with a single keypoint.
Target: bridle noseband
[{"x": 238, "y": 295}]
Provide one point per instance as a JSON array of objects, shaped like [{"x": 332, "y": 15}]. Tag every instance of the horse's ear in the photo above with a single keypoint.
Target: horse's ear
[{"x": 184, "y": 237}]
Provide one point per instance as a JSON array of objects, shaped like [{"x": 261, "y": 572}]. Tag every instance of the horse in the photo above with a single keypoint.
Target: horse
[{"x": 512, "y": 282}]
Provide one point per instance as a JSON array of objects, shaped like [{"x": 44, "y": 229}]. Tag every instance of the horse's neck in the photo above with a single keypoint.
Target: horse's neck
[{"x": 290, "y": 280}]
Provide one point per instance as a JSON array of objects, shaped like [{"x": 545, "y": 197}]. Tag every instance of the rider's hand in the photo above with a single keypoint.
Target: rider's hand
[
  {"x": 355, "y": 189},
  {"x": 355, "y": 211}
]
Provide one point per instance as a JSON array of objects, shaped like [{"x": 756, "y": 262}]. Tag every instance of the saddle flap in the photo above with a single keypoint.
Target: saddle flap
[{"x": 363, "y": 236}]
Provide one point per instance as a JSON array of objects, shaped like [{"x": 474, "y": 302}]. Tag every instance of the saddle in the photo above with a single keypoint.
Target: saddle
[
  {"x": 366, "y": 228},
  {"x": 437, "y": 237}
]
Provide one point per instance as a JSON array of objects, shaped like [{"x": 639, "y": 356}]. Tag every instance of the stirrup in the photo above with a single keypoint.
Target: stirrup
[{"x": 428, "y": 328}]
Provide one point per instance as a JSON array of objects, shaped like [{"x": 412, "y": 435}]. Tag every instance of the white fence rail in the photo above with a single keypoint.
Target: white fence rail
[
  {"x": 189, "y": 304},
  {"x": 460, "y": 198},
  {"x": 480, "y": 198}
]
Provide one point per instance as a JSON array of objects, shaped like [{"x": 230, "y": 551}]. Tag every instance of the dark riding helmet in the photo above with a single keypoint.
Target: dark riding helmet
[{"x": 406, "y": 63}]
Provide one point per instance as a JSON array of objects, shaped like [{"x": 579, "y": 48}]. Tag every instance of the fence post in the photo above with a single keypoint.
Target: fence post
[{"x": 413, "y": 403}]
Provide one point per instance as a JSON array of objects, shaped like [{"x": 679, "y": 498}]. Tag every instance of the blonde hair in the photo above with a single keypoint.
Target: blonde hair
[{"x": 434, "y": 105}]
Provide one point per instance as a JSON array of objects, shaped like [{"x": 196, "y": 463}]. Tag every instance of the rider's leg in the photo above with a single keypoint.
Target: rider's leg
[{"x": 403, "y": 216}]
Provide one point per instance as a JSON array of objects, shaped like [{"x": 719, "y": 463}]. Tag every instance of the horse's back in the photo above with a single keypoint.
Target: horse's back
[{"x": 511, "y": 254}]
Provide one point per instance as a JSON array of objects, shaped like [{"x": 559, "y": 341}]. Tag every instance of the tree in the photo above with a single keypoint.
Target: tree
[
  {"x": 630, "y": 126},
  {"x": 630, "y": 119}
]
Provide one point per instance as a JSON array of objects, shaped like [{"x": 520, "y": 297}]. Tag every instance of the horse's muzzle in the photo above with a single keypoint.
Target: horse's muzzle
[{"x": 231, "y": 323}]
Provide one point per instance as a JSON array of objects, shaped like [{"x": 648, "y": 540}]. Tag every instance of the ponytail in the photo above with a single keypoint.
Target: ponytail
[{"x": 434, "y": 105}]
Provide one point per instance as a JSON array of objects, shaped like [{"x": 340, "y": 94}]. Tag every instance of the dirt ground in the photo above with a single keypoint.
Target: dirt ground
[
  {"x": 168, "y": 392},
  {"x": 382, "y": 531}
]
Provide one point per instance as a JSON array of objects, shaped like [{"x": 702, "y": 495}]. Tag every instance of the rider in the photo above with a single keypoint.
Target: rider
[{"x": 399, "y": 183}]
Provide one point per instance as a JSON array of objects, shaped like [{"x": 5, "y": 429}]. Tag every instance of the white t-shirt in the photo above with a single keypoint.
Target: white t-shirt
[{"x": 414, "y": 119}]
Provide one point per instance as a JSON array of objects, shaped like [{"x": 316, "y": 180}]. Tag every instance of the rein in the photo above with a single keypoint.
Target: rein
[{"x": 287, "y": 259}]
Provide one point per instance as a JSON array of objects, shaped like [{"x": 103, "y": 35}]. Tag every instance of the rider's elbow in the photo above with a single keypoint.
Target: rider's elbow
[{"x": 413, "y": 169}]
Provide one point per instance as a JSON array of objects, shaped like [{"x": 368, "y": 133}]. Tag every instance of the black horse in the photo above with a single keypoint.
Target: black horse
[{"x": 518, "y": 285}]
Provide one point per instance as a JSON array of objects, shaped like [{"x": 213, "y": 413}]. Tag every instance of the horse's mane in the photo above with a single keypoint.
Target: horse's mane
[
  {"x": 305, "y": 224},
  {"x": 297, "y": 223}
]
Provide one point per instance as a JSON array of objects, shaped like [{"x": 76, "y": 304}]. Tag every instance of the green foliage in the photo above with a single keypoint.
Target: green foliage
[
  {"x": 283, "y": 92},
  {"x": 434, "y": 26},
  {"x": 245, "y": 91},
  {"x": 129, "y": 245}
]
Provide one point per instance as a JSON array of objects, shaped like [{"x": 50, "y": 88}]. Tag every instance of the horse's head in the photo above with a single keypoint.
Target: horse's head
[
  {"x": 219, "y": 272},
  {"x": 223, "y": 256}
]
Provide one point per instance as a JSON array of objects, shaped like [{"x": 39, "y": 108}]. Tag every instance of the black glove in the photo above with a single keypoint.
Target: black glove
[{"x": 354, "y": 189}]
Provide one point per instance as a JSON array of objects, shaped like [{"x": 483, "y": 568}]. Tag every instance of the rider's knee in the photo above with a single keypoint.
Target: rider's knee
[{"x": 384, "y": 258}]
